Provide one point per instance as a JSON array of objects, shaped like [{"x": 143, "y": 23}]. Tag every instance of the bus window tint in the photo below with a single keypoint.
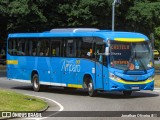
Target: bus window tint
[
  {"x": 86, "y": 47},
  {"x": 78, "y": 47},
  {"x": 56, "y": 47},
  {"x": 35, "y": 48},
  {"x": 21, "y": 47},
  {"x": 71, "y": 48}
]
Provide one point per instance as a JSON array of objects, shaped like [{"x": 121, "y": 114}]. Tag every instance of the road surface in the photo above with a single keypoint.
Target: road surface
[{"x": 78, "y": 100}]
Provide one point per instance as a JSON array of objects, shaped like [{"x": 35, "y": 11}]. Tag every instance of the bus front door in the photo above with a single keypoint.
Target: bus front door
[{"x": 101, "y": 71}]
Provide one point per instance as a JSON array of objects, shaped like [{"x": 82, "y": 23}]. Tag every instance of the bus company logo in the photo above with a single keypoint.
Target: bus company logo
[
  {"x": 69, "y": 66},
  {"x": 136, "y": 79}
]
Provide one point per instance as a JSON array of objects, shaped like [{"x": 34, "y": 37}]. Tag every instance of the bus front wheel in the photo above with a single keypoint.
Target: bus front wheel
[
  {"x": 91, "y": 90},
  {"x": 127, "y": 93},
  {"x": 35, "y": 83}
]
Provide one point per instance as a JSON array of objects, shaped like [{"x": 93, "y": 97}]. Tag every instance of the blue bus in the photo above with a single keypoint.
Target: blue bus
[{"x": 84, "y": 58}]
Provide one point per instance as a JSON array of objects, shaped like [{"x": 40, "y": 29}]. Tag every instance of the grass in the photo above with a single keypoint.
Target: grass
[{"x": 12, "y": 101}]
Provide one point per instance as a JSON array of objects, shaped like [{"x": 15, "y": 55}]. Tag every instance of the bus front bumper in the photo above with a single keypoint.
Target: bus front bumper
[{"x": 123, "y": 85}]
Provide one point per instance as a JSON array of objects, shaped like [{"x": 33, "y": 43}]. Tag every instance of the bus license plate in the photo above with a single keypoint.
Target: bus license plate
[{"x": 135, "y": 88}]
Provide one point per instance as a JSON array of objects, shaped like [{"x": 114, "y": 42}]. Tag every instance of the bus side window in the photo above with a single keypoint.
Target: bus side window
[
  {"x": 34, "y": 47},
  {"x": 100, "y": 50},
  {"x": 55, "y": 48},
  {"x": 86, "y": 47},
  {"x": 47, "y": 52},
  {"x": 71, "y": 48},
  {"x": 34, "y": 52},
  {"x": 54, "y": 52}
]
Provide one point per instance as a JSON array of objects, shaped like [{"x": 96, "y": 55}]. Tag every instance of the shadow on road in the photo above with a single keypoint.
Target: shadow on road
[{"x": 78, "y": 92}]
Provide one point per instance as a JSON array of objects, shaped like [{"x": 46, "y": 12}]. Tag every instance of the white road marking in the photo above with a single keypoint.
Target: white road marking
[{"x": 60, "y": 106}]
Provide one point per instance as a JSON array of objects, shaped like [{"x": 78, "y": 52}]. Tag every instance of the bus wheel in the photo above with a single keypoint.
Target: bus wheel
[
  {"x": 127, "y": 93},
  {"x": 35, "y": 83},
  {"x": 91, "y": 90}
]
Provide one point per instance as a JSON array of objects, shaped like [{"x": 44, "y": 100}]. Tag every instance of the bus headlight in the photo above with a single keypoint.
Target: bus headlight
[{"x": 113, "y": 77}]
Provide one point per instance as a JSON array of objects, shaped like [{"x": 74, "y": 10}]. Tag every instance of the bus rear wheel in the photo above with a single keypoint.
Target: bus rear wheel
[
  {"x": 127, "y": 93},
  {"x": 91, "y": 90},
  {"x": 35, "y": 83}
]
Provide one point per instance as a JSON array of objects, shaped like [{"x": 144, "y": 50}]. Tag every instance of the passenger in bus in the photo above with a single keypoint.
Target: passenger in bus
[
  {"x": 34, "y": 52},
  {"x": 54, "y": 52},
  {"x": 41, "y": 53},
  {"x": 47, "y": 52}
]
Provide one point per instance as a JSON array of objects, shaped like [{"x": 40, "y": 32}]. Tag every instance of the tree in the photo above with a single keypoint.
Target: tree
[
  {"x": 157, "y": 38},
  {"x": 144, "y": 17},
  {"x": 41, "y": 15},
  {"x": 3, "y": 18},
  {"x": 25, "y": 15},
  {"x": 86, "y": 13}
]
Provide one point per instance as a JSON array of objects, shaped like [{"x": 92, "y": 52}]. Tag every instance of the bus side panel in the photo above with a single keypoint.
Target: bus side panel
[
  {"x": 39, "y": 64},
  {"x": 86, "y": 67},
  {"x": 105, "y": 78},
  {"x": 74, "y": 69},
  {"x": 13, "y": 70},
  {"x": 56, "y": 70},
  {"x": 69, "y": 68},
  {"x": 25, "y": 65}
]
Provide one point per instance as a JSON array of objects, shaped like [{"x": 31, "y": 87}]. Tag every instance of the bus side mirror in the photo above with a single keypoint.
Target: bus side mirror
[{"x": 107, "y": 51}]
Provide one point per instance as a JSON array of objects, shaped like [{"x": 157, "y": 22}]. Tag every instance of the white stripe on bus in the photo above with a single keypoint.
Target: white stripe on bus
[{"x": 42, "y": 83}]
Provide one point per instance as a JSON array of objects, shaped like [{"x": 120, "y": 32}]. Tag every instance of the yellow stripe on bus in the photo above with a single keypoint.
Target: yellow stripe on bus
[
  {"x": 128, "y": 82},
  {"x": 129, "y": 39},
  {"x": 74, "y": 86},
  {"x": 14, "y": 62}
]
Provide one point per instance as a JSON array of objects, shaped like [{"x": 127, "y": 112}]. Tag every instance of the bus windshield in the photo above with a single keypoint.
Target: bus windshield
[{"x": 131, "y": 55}]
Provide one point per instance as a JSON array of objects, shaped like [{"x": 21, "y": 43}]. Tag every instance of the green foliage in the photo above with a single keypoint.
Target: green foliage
[
  {"x": 144, "y": 16},
  {"x": 25, "y": 15},
  {"x": 3, "y": 8},
  {"x": 157, "y": 35},
  {"x": 157, "y": 32},
  {"x": 41, "y": 15},
  {"x": 86, "y": 13}
]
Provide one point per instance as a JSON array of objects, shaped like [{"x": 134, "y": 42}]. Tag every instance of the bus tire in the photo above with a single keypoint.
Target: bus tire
[
  {"x": 91, "y": 90},
  {"x": 127, "y": 93},
  {"x": 35, "y": 83}
]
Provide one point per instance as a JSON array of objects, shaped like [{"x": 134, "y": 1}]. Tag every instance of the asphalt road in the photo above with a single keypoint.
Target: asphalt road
[{"x": 78, "y": 100}]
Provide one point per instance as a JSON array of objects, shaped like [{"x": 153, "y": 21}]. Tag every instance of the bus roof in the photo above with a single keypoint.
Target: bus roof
[{"x": 86, "y": 32}]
